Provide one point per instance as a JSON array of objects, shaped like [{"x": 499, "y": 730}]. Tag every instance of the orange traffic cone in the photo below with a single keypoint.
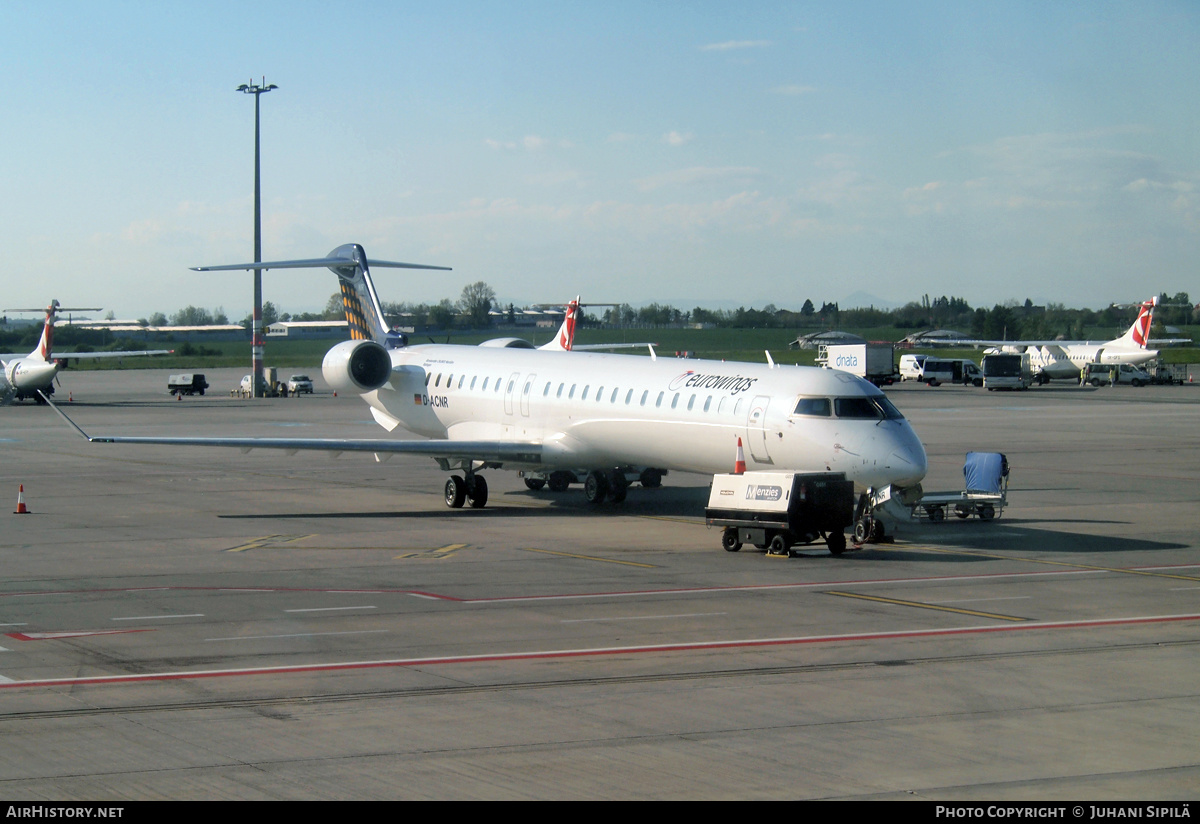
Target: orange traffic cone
[
  {"x": 21, "y": 508},
  {"x": 739, "y": 464},
  {"x": 70, "y": 397}
]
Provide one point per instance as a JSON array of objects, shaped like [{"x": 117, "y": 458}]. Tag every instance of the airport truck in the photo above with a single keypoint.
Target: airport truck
[
  {"x": 191, "y": 384},
  {"x": 875, "y": 362},
  {"x": 1006, "y": 370},
  {"x": 776, "y": 510}
]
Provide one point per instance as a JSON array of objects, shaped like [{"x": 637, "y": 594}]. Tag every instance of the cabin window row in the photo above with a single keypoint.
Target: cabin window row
[{"x": 724, "y": 405}]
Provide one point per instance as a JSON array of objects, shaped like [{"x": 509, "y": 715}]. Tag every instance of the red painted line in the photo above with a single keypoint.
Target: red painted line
[
  {"x": 583, "y": 653},
  {"x": 83, "y": 633}
]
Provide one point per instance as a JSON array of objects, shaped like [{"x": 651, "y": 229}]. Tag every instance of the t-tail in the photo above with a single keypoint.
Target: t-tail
[
  {"x": 1138, "y": 335},
  {"x": 565, "y": 339},
  {"x": 46, "y": 344},
  {"x": 364, "y": 313}
]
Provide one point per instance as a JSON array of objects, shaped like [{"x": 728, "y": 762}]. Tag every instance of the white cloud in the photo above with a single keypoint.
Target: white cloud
[{"x": 677, "y": 138}]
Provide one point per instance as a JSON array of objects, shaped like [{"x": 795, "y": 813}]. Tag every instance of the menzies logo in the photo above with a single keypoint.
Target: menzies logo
[
  {"x": 693, "y": 380},
  {"x": 755, "y": 492}
]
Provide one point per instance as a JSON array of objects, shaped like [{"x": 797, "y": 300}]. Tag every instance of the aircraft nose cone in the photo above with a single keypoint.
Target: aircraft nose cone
[{"x": 908, "y": 462}]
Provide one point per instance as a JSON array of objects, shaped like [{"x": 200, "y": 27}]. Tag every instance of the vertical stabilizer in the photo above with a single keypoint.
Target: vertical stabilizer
[
  {"x": 364, "y": 313},
  {"x": 46, "y": 344},
  {"x": 1138, "y": 335},
  {"x": 565, "y": 339}
]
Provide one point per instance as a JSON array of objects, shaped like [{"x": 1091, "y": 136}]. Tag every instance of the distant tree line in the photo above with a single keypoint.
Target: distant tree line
[{"x": 1008, "y": 320}]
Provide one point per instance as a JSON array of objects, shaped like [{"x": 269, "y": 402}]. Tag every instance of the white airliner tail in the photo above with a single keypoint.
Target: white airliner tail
[
  {"x": 45, "y": 344},
  {"x": 1137, "y": 336},
  {"x": 565, "y": 339},
  {"x": 349, "y": 262}
]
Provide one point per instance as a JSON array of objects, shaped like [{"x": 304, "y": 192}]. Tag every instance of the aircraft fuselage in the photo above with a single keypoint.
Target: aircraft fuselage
[{"x": 609, "y": 410}]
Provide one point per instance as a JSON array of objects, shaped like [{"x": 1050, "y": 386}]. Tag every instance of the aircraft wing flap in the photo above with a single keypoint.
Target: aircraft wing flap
[
  {"x": 476, "y": 450},
  {"x": 473, "y": 450}
]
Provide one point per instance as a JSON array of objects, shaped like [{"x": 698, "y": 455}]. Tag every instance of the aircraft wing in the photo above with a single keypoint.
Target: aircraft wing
[
  {"x": 98, "y": 355},
  {"x": 450, "y": 449}
]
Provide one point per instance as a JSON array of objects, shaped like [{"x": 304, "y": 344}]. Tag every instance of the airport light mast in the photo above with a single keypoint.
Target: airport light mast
[{"x": 256, "y": 334}]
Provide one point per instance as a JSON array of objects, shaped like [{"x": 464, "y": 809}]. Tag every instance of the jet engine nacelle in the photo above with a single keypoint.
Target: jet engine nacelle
[{"x": 357, "y": 366}]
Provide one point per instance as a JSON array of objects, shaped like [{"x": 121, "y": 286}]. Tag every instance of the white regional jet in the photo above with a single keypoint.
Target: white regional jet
[
  {"x": 551, "y": 413},
  {"x": 1065, "y": 359},
  {"x": 32, "y": 375}
]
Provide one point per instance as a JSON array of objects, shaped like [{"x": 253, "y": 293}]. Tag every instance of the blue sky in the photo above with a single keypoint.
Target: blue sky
[{"x": 691, "y": 153}]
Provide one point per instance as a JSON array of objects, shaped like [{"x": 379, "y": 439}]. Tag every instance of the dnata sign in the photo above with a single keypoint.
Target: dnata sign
[{"x": 845, "y": 360}]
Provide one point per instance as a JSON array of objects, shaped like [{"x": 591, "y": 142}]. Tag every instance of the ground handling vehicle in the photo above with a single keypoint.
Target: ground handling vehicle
[
  {"x": 193, "y": 384},
  {"x": 985, "y": 496},
  {"x": 874, "y": 362},
  {"x": 777, "y": 510}
]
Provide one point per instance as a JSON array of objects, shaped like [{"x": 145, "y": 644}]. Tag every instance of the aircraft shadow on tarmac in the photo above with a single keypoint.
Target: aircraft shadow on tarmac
[
  {"x": 674, "y": 502},
  {"x": 1010, "y": 536}
]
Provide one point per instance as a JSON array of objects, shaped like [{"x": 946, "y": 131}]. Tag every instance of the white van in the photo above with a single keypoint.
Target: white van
[
  {"x": 927, "y": 369},
  {"x": 912, "y": 366}
]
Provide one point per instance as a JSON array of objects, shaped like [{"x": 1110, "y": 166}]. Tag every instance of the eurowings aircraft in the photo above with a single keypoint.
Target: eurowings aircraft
[
  {"x": 550, "y": 414},
  {"x": 1066, "y": 359},
  {"x": 32, "y": 375}
]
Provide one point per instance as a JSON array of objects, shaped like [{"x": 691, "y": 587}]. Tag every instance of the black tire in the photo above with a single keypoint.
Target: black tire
[
  {"x": 836, "y": 541},
  {"x": 595, "y": 488},
  {"x": 1136, "y": 382},
  {"x": 534, "y": 483},
  {"x": 477, "y": 492},
  {"x": 560, "y": 481},
  {"x": 455, "y": 491},
  {"x": 1095, "y": 382},
  {"x": 986, "y": 512},
  {"x": 729, "y": 539},
  {"x": 778, "y": 545},
  {"x": 651, "y": 478},
  {"x": 962, "y": 511},
  {"x": 617, "y": 486},
  {"x": 862, "y": 530},
  {"x": 936, "y": 514}
]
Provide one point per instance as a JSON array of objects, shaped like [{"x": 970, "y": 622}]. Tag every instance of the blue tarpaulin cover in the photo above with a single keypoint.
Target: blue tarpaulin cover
[{"x": 985, "y": 471}]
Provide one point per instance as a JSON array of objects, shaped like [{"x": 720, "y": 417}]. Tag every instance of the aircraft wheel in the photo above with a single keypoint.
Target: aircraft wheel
[
  {"x": 651, "y": 478},
  {"x": 986, "y": 512},
  {"x": 936, "y": 514},
  {"x": 456, "y": 492},
  {"x": 962, "y": 511},
  {"x": 862, "y": 530},
  {"x": 477, "y": 492},
  {"x": 534, "y": 483},
  {"x": 617, "y": 486},
  {"x": 595, "y": 488},
  {"x": 778, "y": 545},
  {"x": 836, "y": 541},
  {"x": 878, "y": 533},
  {"x": 560, "y": 481},
  {"x": 729, "y": 539}
]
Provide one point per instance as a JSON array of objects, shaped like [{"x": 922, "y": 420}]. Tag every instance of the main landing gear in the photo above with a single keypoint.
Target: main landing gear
[
  {"x": 599, "y": 485},
  {"x": 472, "y": 490}
]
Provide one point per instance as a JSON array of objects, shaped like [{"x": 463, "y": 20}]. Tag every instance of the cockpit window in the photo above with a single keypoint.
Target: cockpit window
[
  {"x": 813, "y": 406},
  {"x": 870, "y": 408}
]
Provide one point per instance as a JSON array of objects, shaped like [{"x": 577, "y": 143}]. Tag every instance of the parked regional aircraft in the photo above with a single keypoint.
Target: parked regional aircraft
[
  {"x": 550, "y": 413},
  {"x": 1066, "y": 359},
  {"x": 32, "y": 375}
]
